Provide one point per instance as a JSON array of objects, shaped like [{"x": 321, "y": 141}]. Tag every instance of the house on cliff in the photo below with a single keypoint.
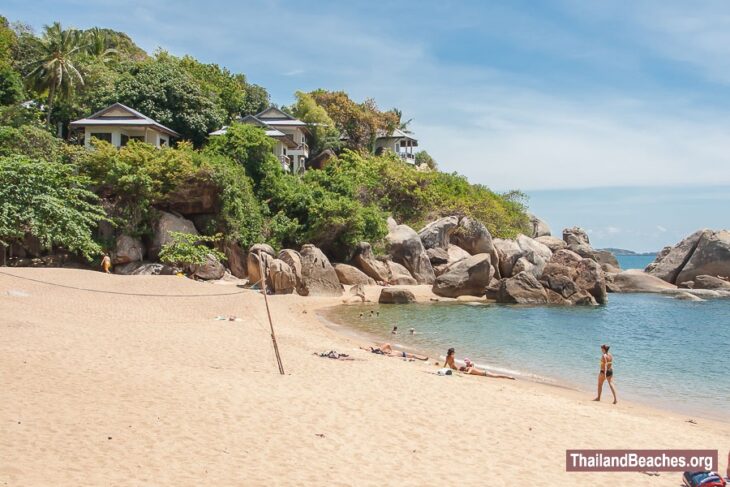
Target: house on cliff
[
  {"x": 289, "y": 132},
  {"x": 118, "y": 124},
  {"x": 399, "y": 142}
]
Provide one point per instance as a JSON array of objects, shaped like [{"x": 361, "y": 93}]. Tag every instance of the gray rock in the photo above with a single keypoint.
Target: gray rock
[
  {"x": 235, "y": 259},
  {"x": 396, "y": 295},
  {"x": 711, "y": 257},
  {"x": 553, "y": 243},
  {"x": 262, "y": 247},
  {"x": 359, "y": 291},
  {"x": 145, "y": 269},
  {"x": 437, "y": 234},
  {"x": 391, "y": 223},
  {"x": 566, "y": 257},
  {"x": 437, "y": 256},
  {"x": 318, "y": 276},
  {"x": 522, "y": 288},
  {"x": 281, "y": 277},
  {"x": 575, "y": 236},
  {"x": 163, "y": 226},
  {"x": 710, "y": 282},
  {"x": 257, "y": 264},
  {"x": 637, "y": 281},
  {"x": 456, "y": 254},
  {"x": 685, "y": 296},
  {"x": 474, "y": 237},
  {"x": 211, "y": 269},
  {"x": 606, "y": 257},
  {"x": 590, "y": 278},
  {"x": 405, "y": 247},
  {"x": 366, "y": 261},
  {"x": 668, "y": 266},
  {"x": 659, "y": 257},
  {"x": 466, "y": 277},
  {"x": 399, "y": 275},
  {"x": 352, "y": 276},
  {"x": 539, "y": 227},
  {"x": 294, "y": 260},
  {"x": 127, "y": 249},
  {"x": 508, "y": 253}
]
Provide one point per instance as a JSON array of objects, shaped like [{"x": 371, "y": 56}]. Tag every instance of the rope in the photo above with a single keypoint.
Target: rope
[{"x": 120, "y": 292}]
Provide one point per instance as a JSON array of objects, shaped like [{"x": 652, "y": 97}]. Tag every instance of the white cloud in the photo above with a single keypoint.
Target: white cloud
[{"x": 661, "y": 228}]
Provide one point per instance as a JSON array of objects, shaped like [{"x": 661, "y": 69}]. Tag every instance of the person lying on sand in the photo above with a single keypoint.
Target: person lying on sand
[
  {"x": 469, "y": 368},
  {"x": 387, "y": 349}
]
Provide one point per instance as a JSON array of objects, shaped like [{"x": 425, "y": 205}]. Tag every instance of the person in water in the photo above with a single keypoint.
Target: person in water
[
  {"x": 606, "y": 373},
  {"x": 395, "y": 330},
  {"x": 387, "y": 349},
  {"x": 469, "y": 368}
]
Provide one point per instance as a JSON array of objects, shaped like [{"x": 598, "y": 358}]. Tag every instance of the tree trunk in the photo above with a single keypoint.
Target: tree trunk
[{"x": 51, "y": 94}]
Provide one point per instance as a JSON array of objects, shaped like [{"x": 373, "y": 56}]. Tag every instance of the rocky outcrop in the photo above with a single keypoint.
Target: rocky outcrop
[
  {"x": 352, "y": 276},
  {"x": 358, "y": 291},
  {"x": 294, "y": 260},
  {"x": 318, "y": 276},
  {"x": 262, "y": 247},
  {"x": 396, "y": 295},
  {"x": 553, "y": 243},
  {"x": 509, "y": 252},
  {"x": 466, "y": 277},
  {"x": 521, "y": 254},
  {"x": 472, "y": 236},
  {"x": 710, "y": 257},
  {"x": 257, "y": 264},
  {"x": 211, "y": 269},
  {"x": 710, "y": 282},
  {"x": 235, "y": 258},
  {"x": 605, "y": 257},
  {"x": 539, "y": 227},
  {"x": 405, "y": 247},
  {"x": 456, "y": 254},
  {"x": 637, "y": 281},
  {"x": 163, "y": 226},
  {"x": 437, "y": 234},
  {"x": 667, "y": 266},
  {"x": 590, "y": 278},
  {"x": 438, "y": 256},
  {"x": 366, "y": 261},
  {"x": 127, "y": 249},
  {"x": 282, "y": 279},
  {"x": 399, "y": 275},
  {"x": 575, "y": 236},
  {"x": 196, "y": 196},
  {"x": 145, "y": 269},
  {"x": 522, "y": 288}
]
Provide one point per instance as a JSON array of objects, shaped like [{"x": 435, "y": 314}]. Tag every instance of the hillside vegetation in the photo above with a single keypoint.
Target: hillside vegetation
[{"x": 254, "y": 199}]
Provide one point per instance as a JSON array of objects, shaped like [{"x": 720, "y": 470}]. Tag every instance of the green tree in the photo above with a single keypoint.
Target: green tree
[
  {"x": 99, "y": 44},
  {"x": 49, "y": 201},
  {"x": 186, "y": 249},
  {"x": 324, "y": 133},
  {"x": 250, "y": 147},
  {"x": 33, "y": 142},
  {"x": 55, "y": 71},
  {"x": 423, "y": 157},
  {"x": 11, "y": 83}
]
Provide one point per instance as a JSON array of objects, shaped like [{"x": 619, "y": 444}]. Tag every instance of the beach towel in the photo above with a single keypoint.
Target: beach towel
[{"x": 703, "y": 479}]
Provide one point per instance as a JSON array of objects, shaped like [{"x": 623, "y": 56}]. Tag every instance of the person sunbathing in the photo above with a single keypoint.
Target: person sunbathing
[
  {"x": 469, "y": 368},
  {"x": 387, "y": 349}
]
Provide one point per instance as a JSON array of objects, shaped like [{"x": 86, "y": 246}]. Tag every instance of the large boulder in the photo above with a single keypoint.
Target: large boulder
[
  {"x": 396, "y": 295},
  {"x": 456, "y": 254},
  {"x": 553, "y": 243},
  {"x": 710, "y": 282},
  {"x": 294, "y": 260},
  {"x": 668, "y": 266},
  {"x": 162, "y": 228},
  {"x": 318, "y": 276},
  {"x": 659, "y": 257},
  {"x": 575, "y": 236},
  {"x": 528, "y": 245},
  {"x": 539, "y": 227},
  {"x": 262, "y": 247},
  {"x": 257, "y": 264},
  {"x": 236, "y": 259},
  {"x": 472, "y": 236},
  {"x": 637, "y": 281},
  {"x": 145, "y": 269},
  {"x": 710, "y": 257},
  {"x": 509, "y": 252},
  {"x": 352, "y": 276},
  {"x": 606, "y": 257},
  {"x": 405, "y": 247},
  {"x": 466, "y": 277},
  {"x": 127, "y": 249},
  {"x": 211, "y": 269},
  {"x": 438, "y": 256},
  {"x": 590, "y": 277},
  {"x": 523, "y": 288},
  {"x": 281, "y": 277},
  {"x": 366, "y": 261},
  {"x": 437, "y": 234},
  {"x": 196, "y": 196},
  {"x": 399, "y": 275}
]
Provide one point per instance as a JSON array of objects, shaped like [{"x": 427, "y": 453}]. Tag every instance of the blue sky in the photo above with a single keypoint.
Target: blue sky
[{"x": 556, "y": 98}]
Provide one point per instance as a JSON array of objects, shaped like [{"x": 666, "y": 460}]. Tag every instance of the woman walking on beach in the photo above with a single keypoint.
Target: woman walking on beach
[{"x": 606, "y": 373}]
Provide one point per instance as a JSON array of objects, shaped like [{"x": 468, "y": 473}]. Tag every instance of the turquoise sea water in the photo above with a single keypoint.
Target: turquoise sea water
[
  {"x": 634, "y": 261},
  {"x": 668, "y": 353}
]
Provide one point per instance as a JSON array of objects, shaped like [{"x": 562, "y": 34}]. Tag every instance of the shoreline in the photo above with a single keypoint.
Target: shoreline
[{"x": 140, "y": 390}]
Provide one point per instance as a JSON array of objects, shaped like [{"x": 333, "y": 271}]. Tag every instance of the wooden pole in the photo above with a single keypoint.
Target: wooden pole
[{"x": 268, "y": 312}]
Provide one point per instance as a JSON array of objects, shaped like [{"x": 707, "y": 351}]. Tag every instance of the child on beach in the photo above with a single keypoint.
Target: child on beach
[{"x": 606, "y": 373}]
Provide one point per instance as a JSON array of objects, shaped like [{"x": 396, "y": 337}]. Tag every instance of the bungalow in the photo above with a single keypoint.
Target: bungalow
[
  {"x": 398, "y": 141},
  {"x": 118, "y": 124},
  {"x": 290, "y": 134}
]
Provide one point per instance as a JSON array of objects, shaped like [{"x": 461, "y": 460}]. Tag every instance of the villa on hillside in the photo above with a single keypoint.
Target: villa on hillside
[
  {"x": 399, "y": 142},
  {"x": 290, "y": 134},
  {"x": 118, "y": 124}
]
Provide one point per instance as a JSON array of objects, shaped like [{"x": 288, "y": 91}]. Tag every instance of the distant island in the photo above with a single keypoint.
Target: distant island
[{"x": 627, "y": 252}]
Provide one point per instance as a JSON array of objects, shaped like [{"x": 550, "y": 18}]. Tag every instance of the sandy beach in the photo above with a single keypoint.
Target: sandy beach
[{"x": 139, "y": 384}]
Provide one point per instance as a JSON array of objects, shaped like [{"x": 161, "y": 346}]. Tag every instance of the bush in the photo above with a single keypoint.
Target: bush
[{"x": 187, "y": 249}]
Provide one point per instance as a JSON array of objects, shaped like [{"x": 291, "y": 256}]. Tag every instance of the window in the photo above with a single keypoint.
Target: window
[
  {"x": 105, "y": 136},
  {"x": 126, "y": 138}
]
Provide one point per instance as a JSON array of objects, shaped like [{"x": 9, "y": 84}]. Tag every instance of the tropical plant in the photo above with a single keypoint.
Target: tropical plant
[
  {"x": 98, "y": 44},
  {"x": 55, "y": 71},
  {"x": 49, "y": 201},
  {"x": 424, "y": 158},
  {"x": 186, "y": 249}
]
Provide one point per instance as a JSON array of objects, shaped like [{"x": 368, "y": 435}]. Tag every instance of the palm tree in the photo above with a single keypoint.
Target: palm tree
[
  {"x": 54, "y": 70},
  {"x": 97, "y": 44}
]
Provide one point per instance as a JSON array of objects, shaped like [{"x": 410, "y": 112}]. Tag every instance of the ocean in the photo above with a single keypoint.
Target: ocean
[
  {"x": 668, "y": 353},
  {"x": 634, "y": 261}
]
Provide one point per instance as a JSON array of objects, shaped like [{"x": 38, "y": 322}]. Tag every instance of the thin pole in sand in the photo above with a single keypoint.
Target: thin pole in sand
[{"x": 268, "y": 312}]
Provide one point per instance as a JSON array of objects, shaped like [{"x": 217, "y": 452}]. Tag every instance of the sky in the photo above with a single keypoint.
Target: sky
[{"x": 613, "y": 116}]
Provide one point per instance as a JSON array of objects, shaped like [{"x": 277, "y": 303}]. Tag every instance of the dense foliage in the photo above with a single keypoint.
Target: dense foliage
[
  {"x": 55, "y": 189},
  {"x": 186, "y": 249}
]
